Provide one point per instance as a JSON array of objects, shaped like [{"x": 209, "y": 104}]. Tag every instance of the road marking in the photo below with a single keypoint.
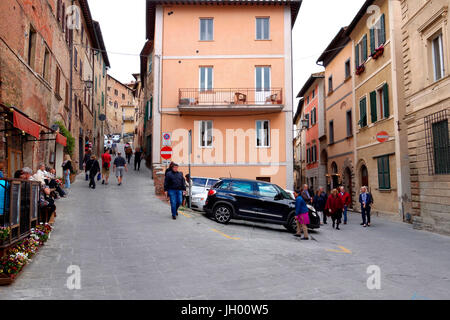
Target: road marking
[
  {"x": 225, "y": 235},
  {"x": 343, "y": 250},
  {"x": 185, "y": 214}
]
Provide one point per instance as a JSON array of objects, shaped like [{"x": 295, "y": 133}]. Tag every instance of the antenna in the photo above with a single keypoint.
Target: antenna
[{"x": 230, "y": 174}]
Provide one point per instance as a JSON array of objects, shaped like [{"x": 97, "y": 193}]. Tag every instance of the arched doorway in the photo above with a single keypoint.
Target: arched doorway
[
  {"x": 364, "y": 176},
  {"x": 348, "y": 182},
  {"x": 334, "y": 175}
]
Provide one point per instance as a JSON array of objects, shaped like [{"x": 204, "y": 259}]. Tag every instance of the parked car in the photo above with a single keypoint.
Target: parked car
[
  {"x": 116, "y": 138},
  {"x": 200, "y": 188},
  {"x": 254, "y": 201}
]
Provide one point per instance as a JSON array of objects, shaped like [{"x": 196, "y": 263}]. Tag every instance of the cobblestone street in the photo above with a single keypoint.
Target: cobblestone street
[{"x": 128, "y": 247}]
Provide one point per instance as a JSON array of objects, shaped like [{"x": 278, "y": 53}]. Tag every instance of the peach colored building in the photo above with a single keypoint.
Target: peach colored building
[
  {"x": 337, "y": 59},
  {"x": 223, "y": 70}
]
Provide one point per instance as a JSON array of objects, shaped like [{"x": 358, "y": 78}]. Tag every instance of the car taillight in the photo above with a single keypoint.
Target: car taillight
[{"x": 211, "y": 192}]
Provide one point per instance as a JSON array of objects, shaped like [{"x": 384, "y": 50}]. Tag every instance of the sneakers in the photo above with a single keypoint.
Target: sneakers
[
  {"x": 174, "y": 217},
  {"x": 304, "y": 238}
]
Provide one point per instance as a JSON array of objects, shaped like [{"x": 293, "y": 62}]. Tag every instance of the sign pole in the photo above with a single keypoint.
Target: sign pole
[{"x": 190, "y": 179}]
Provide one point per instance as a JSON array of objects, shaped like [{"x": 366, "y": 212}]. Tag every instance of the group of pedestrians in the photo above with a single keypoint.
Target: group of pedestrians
[{"x": 334, "y": 206}]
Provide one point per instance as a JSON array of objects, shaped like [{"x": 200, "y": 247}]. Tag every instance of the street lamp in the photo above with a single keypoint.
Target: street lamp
[{"x": 305, "y": 124}]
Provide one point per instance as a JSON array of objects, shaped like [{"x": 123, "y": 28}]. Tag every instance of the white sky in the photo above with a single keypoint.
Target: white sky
[{"x": 123, "y": 29}]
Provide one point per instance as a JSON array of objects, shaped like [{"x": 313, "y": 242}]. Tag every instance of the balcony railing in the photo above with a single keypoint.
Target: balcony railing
[{"x": 230, "y": 97}]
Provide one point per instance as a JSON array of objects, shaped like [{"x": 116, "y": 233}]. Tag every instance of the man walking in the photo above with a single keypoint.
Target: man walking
[
  {"x": 365, "y": 198},
  {"x": 94, "y": 169},
  {"x": 87, "y": 157},
  {"x": 346, "y": 200},
  {"x": 137, "y": 159},
  {"x": 306, "y": 194},
  {"x": 174, "y": 187},
  {"x": 106, "y": 164},
  {"x": 120, "y": 165}
]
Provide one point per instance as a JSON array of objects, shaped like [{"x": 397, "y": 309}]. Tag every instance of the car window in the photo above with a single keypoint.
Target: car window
[
  {"x": 267, "y": 190},
  {"x": 242, "y": 186},
  {"x": 224, "y": 185},
  {"x": 198, "y": 182},
  {"x": 211, "y": 182},
  {"x": 284, "y": 193}
]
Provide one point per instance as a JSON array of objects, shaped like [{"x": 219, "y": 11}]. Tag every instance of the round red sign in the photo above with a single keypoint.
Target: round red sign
[
  {"x": 382, "y": 136},
  {"x": 166, "y": 153}
]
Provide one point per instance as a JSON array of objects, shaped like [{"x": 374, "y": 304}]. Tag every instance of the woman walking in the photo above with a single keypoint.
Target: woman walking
[
  {"x": 67, "y": 169},
  {"x": 334, "y": 208},
  {"x": 319, "y": 202},
  {"x": 94, "y": 169},
  {"x": 301, "y": 216}
]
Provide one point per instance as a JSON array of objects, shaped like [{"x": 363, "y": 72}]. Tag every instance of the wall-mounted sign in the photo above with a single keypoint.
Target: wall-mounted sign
[
  {"x": 382, "y": 136},
  {"x": 167, "y": 139}
]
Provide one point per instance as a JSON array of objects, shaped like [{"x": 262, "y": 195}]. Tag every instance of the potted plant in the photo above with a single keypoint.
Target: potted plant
[
  {"x": 378, "y": 52},
  {"x": 4, "y": 234},
  {"x": 360, "y": 69}
]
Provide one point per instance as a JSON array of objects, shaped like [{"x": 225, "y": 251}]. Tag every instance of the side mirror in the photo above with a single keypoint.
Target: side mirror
[{"x": 278, "y": 197}]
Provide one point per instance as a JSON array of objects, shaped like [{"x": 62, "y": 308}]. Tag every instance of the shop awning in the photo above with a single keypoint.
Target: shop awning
[
  {"x": 61, "y": 139},
  {"x": 26, "y": 124}
]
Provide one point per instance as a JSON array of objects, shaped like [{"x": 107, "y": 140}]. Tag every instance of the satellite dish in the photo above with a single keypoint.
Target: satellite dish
[{"x": 102, "y": 117}]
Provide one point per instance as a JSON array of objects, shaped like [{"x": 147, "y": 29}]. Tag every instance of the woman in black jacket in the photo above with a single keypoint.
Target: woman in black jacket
[
  {"x": 319, "y": 202},
  {"x": 67, "y": 169},
  {"x": 94, "y": 169}
]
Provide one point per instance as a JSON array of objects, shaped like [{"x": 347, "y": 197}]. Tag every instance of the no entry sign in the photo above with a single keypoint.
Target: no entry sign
[
  {"x": 382, "y": 136},
  {"x": 166, "y": 153}
]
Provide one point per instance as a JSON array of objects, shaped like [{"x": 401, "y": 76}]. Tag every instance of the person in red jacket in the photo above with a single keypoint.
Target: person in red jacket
[
  {"x": 334, "y": 208},
  {"x": 346, "y": 200}
]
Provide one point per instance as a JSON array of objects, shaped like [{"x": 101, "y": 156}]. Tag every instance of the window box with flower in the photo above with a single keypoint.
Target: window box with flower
[
  {"x": 360, "y": 70},
  {"x": 378, "y": 52}
]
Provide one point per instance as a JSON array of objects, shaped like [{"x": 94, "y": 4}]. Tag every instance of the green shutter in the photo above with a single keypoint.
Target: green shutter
[
  {"x": 357, "y": 56},
  {"x": 372, "y": 41},
  {"x": 151, "y": 107},
  {"x": 384, "y": 175},
  {"x": 386, "y": 100},
  {"x": 362, "y": 113},
  {"x": 373, "y": 106},
  {"x": 103, "y": 99},
  {"x": 382, "y": 29},
  {"x": 364, "y": 47},
  {"x": 441, "y": 147}
]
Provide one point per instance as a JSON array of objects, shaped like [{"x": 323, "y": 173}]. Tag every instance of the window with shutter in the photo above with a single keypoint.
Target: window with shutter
[
  {"x": 384, "y": 177},
  {"x": 441, "y": 147},
  {"x": 372, "y": 41},
  {"x": 373, "y": 106},
  {"x": 386, "y": 100},
  {"x": 364, "y": 48},
  {"x": 357, "y": 62}
]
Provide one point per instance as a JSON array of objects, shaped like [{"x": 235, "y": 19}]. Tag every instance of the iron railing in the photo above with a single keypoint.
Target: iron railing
[
  {"x": 230, "y": 96},
  {"x": 19, "y": 208}
]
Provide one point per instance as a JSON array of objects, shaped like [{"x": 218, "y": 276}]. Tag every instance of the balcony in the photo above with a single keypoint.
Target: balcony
[{"x": 196, "y": 99}]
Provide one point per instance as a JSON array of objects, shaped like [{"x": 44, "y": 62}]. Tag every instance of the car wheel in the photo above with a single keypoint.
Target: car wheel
[
  {"x": 291, "y": 225},
  {"x": 222, "y": 213}
]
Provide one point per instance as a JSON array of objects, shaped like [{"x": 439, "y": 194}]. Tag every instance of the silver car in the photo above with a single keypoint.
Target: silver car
[{"x": 200, "y": 188}]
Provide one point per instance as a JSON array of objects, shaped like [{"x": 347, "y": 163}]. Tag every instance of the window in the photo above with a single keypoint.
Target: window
[
  {"x": 262, "y": 84},
  {"x": 330, "y": 84},
  {"x": 32, "y": 47},
  {"x": 206, "y": 78},
  {"x": 81, "y": 70},
  {"x": 307, "y": 100},
  {"x": 262, "y": 29},
  {"x": 242, "y": 186},
  {"x": 116, "y": 105},
  {"x": 116, "y": 92},
  {"x": 267, "y": 190},
  {"x": 66, "y": 100},
  {"x": 361, "y": 52},
  {"x": 103, "y": 99},
  {"x": 262, "y": 133},
  {"x": 349, "y": 123},
  {"x": 347, "y": 69},
  {"x": 363, "y": 112},
  {"x": 331, "y": 126},
  {"x": 46, "y": 68},
  {"x": 379, "y": 103},
  {"x": 384, "y": 177},
  {"x": 308, "y": 155},
  {"x": 313, "y": 93},
  {"x": 313, "y": 116},
  {"x": 224, "y": 185},
  {"x": 314, "y": 153},
  {"x": 441, "y": 147},
  {"x": 75, "y": 61},
  {"x": 307, "y": 120},
  {"x": 123, "y": 96},
  {"x": 206, "y": 29},
  {"x": 109, "y": 89},
  {"x": 438, "y": 57},
  {"x": 377, "y": 34},
  {"x": 206, "y": 134}
]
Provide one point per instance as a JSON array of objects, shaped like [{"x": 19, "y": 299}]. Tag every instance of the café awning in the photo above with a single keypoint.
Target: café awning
[{"x": 26, "y": 124}]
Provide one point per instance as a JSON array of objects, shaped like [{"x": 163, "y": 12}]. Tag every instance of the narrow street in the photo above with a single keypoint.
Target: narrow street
[{"x": 128, "y": 247}]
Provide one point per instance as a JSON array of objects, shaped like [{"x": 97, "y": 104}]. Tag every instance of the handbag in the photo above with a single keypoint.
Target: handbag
[{"x": 99, "y": 176}]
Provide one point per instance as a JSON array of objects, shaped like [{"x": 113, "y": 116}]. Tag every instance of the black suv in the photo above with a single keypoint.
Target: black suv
[{"x": 256, "y": 201}]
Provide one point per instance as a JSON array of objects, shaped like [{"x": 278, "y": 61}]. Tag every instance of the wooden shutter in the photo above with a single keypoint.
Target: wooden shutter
[
  {"x": 364, "y": 47},
  {"x": 372, "y": 41},
  {"x": 373, "y": 106},
  {"x": 362, "y": 113},
  {"x": 382, "y": 34},
  {"x": 386, "y": 100},
  {"x": 357, "y": 56}
]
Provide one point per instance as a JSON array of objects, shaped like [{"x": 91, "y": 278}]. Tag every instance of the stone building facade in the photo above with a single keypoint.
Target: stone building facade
[{"x": 426, "y": 57}]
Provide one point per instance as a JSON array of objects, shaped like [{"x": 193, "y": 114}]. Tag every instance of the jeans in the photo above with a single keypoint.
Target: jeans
[
  {"x": 345, "y": 214},
  {"x": 176, "y": 199},
  {"x": 67, "y": 179},
  {"x": 92, "y": 180},
  {"x": 365, "y": 212}
]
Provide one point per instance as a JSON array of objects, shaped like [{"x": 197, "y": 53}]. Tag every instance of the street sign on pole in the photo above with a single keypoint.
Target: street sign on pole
[
  {"x": 166, "y": 153},
  {"x": 382, "y": 136},
  {"x": 167, "y": 139}
]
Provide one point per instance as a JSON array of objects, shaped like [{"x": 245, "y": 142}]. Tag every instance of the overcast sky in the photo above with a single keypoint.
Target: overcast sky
[{"x": 123, "y": 28}]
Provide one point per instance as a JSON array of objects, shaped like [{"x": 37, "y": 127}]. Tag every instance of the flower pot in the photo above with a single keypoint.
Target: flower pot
[{"x": 5, "y": 279}]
